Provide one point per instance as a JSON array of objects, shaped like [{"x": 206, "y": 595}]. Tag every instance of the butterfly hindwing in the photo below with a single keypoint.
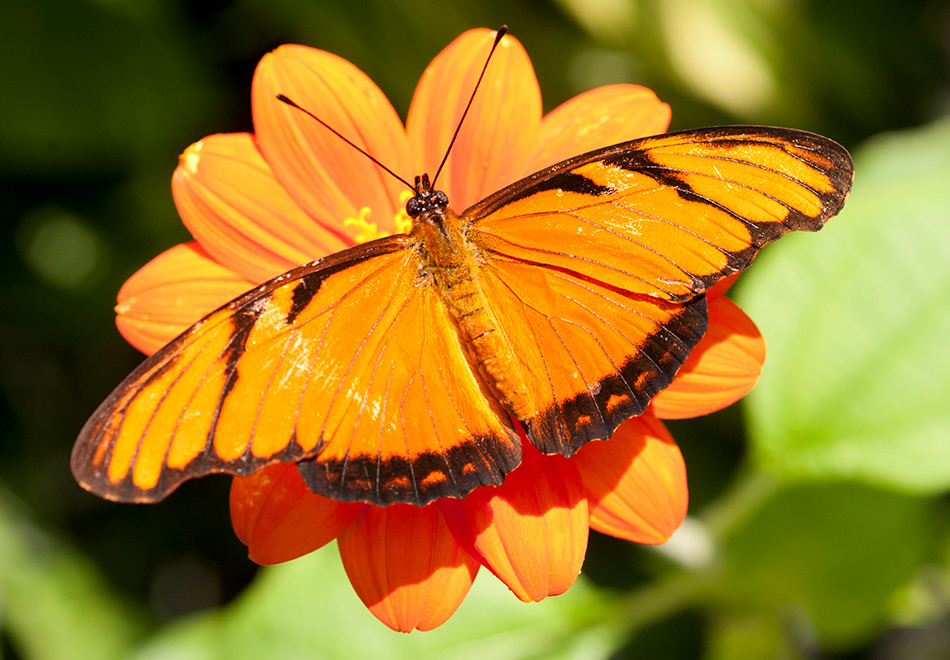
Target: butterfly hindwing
[
  {"x": 592, "y": 356},
  {"x": 668, "y": 216},
  {"x": 325, "y": 362},
  {"x": 411, "y": 421}
]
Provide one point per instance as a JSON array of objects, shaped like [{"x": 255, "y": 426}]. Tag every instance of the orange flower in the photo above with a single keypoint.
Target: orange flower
[{"x": 258, "y": 205}]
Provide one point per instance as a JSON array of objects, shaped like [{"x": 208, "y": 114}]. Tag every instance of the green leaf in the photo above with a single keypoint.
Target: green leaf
[
  {"x": 857, "y": 321},
  {"x": 821, "y": 560},
  {"x": 55, "y": 605},
  {"x": 748, "y": 634},
  {"x": 307, "y": 608},
  {"x": 98, "y": 84}
]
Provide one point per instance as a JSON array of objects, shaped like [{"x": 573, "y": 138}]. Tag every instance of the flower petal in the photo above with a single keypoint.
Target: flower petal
[
  {"x": 278, "y": 518},
  {"x": 231, "y": 203},
  {"x": 722, "y": 287},
  {"x": 636, "y": 482},
  {"x": 531, "y": 531},
  {"x": 723, "y": 368},
  {"x": 495, "y": 144},
  {"x": 406, "y": 566},
  {"x": 330, "y": 179},
  {"x": 170, "y": 293},
  {"x": 599, "y": 118}
]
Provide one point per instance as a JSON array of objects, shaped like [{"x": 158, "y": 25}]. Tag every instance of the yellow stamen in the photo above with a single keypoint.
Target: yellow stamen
[
  {"x": 369, "y": 231},
  {"x": 402, "y": 220}
]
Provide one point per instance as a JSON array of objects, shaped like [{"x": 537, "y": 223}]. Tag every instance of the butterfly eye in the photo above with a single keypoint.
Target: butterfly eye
[
  {"x": 413, "y": 207},
  {"x": 440, "y": 199}
]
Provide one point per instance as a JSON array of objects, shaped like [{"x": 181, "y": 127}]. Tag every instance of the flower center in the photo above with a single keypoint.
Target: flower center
[{"x": 369, "y": 231}]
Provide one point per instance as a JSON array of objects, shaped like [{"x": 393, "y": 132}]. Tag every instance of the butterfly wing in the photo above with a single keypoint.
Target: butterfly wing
[
  {"x": 668, "y": 216},
  {"x": 349, "y": 364},
  {"x": 591, "y": 355},
  {"x": 597, "y": 264},
  {"x": 352, "y": 367}
]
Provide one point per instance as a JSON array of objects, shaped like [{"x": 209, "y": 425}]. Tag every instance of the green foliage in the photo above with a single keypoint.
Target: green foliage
[
  {"x": 857, "y": 320},
  {"x": 823, "y": 561},
  {"x": 55, "y": 604},
  {"x": 830, "y": 538},
  {"x": 307, "y": 608}
]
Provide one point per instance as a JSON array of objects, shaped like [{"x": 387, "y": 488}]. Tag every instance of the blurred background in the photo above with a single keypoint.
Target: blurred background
[{"x": 818, "y": 517}]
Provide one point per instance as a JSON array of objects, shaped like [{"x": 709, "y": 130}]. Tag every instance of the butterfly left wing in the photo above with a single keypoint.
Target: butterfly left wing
[
  {"x": 349, "y": 365},
  {"x": 597, "y": 265}
]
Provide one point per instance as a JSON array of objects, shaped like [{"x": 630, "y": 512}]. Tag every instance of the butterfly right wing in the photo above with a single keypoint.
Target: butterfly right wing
[
  {"x": 349, "y": 365},
  {"x": 596, "y": 266},
  {"x": 668, "y": 216}
]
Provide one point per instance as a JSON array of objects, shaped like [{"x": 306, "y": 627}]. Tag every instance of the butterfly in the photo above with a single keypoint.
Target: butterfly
[{"x": 399, "y": 370}]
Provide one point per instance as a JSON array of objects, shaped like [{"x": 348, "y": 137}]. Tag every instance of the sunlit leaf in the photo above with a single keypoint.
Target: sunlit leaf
[
  {"x": 307, "y": 608},
  {"x": 857, "y": 321},
  {"x": 821, "y": 563},
  {"x": 55, "y": 605}
]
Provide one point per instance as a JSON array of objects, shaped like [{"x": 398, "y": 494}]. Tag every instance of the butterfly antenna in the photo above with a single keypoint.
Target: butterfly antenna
[
  {"x": 281, "y": 97},
  {"x": 499, "y": 33}
]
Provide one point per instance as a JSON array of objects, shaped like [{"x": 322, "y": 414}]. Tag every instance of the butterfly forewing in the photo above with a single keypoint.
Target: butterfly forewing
[{"x": 671, "y": 215}]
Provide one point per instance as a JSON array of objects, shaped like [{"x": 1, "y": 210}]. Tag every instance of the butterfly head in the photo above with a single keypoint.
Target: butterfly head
[{"x": 426, "y": 200}]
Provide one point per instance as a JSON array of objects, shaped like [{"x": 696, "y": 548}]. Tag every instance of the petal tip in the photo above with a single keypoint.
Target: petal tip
[{"x": 188, "y": 160}]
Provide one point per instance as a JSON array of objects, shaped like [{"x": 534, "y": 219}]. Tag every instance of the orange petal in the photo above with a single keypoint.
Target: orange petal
[
  {"x": 170, "y": 293},
  {"x": 278, "y": 518},
  {"x": 499, "y": 135},
  {"x": 599, "y": 118},
  {"x": 722, "y": 286},
  {"x": 406, "y": 566},
  {"x": 636, "y": 482},
  {"x": 531, "y": 531},
  {"x": 722, "y": 369},
  {"x": 228, "y": 198},
  {"x": 330, "y": 179}
]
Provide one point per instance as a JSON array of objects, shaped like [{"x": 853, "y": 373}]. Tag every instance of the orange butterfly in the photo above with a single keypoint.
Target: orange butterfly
[{"x": 391, "y": 371}]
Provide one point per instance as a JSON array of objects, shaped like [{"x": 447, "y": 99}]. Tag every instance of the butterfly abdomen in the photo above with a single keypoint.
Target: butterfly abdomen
[{"x": 452, "y": 263}]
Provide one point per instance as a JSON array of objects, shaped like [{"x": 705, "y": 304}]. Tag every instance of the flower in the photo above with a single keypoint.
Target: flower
[{"x": 258, "y": 205}]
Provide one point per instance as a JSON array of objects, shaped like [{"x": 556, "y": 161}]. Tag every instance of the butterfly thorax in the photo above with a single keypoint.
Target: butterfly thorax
[{"x": 452, "y": 264}]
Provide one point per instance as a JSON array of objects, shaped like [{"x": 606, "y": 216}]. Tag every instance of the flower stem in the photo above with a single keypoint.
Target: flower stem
[
  {"x": 688, "y": 584},
  {"x": 747, "y": 493}
]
